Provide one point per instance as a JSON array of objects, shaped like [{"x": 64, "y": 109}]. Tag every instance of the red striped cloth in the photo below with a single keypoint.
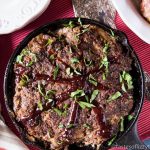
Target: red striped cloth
[{"x": 62, "y": 9}]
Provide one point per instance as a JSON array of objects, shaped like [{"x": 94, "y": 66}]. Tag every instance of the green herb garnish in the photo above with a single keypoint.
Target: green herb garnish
[
  {"x": 49, "y": 42},
  {"x": 59, "y": 112},
  {"x": 121, "y": 124},
  {"x": 104, "y": 62},
  {"x": 114, "y": 96},
  {"x": 39, "y": 104},
  {"x": 112, "y": 140},
  {"x": 77, "y": 72},
  {"x": 55, "y": 73},
  {"x": 130, "y": 117},
  {"x": 52, "y": 57},
  {"x": 74, "y": 60},
  {"x": 49, "y": 94},
  {"x": 70, "y": 126},
  {"x": 68, "y": 71},
  {"x": 104, "y": 76},
  {"x": 126, "y": 77},
  {"x": 84, "y": 105},
  {"x": 94, "y": 95},
  {"x": 19, "y": 59},
  {"x": 105, "y": 47},
  {"x": 24, "y": 80},
  {"x": 65, "y": 106},
  {"x": 83, "y": 31},
  {"x": 26, "y": 52},
  {"x": 86, "y": 125},
  {"x": 33, "y": 59},
  {"x": 79, "y": 20},
  {"x": 77, "y": 93},
  {"x": 92, "y": 80},
  {"x": 61, "y": 126},
  {"x": 70, "y": 24},
  {"x": 112, "y": 33},
  {"x": 87, "y": 98},
  {"x": 41, "y": 89}
]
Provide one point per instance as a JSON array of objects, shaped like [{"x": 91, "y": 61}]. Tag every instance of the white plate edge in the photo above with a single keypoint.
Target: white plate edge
[
  {"x": 130, "y": 25},
  {"x": 27, "y": 21}
]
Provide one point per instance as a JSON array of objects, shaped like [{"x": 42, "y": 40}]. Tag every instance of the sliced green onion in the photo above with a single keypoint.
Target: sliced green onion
[
  {"x": 41, "y": 89},
  {"x": 86, "y": 125},
  {"x": 49, "y": 42},
  {"x": 114, "y": 96},
  {"x": 70, "y": 126},
  {"x": 92, "y": 80},
  {"x": 103, "y": 76},
  {"x": 112, "y": 140},
  {"x": 70, "y": 24},
  {"x": 24, "y": 80},
  {"x": 74, "y": 60},
  {"x": 77, "y": 72},
  {"x": 112, "y": 33},
  {"x": 61, "y": 126},
  {"x": 80, "y": 22},
  {"x": 84, "y": 105},
  {"x": 39, "y": 104},
  {"x": 59, "y": 112},
  {"x": 77, "y": 93},
  {"x": 121, "y": 124},
  {"x": 55, "y": 73},
  {"x": 130, "y": 117},
  {"x": 94, "y": 95},
  {"x": 105, "y": 47},
  {"x": 52, "y": 57}
]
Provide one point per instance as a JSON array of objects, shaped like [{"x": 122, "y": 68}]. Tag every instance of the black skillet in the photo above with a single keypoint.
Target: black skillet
[{"x": 127, "y": 138}]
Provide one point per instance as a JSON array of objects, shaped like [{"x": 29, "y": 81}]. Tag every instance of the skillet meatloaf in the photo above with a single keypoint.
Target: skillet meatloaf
[{"x": 72, "y": 85}]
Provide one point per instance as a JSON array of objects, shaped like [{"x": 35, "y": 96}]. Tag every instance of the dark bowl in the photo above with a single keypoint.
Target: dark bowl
[{"x": 137, "y": 74}]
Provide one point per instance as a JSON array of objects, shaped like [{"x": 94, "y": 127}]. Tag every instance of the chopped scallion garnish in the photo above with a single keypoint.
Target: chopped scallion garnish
[
  {"x": 77, "y": 93},
  {"x": 70, "y": 24},
  {"x": 39, "y": 105},
  {"x": 86, "y": 125},
  {"x": 59, "y": 112},
  {"x": 94, "y": 95},
  {"x": 24, "y": 80},
  {"x": 74, "y": 60},
  {"x": 121, "y": 124},
  {"x": 114, "y": 96},
  {"x": 92, "y": 80},
  {"x": 55, "y": 73},
  {"x": 84, "y": 105}
]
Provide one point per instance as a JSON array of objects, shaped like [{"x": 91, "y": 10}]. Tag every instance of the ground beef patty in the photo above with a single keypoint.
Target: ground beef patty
[{"x": 72, "y": 85}]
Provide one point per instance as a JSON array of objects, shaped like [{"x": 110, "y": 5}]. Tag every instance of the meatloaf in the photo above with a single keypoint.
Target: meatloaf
[{"x": 72, "y": 85}]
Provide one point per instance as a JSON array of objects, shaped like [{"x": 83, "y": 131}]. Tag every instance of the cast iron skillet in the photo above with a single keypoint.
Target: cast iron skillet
[{"x": 127, "y": 138}]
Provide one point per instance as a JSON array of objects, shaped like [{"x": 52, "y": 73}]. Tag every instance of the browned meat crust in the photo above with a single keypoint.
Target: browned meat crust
[
  {"x": 145, "y": 9},
  {"x": 72, "y": 86}
]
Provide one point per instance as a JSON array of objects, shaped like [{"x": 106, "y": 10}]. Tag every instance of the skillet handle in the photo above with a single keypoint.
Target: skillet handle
[
  {"x": 133, "y": 140},
  {"x": 147, "y": 85}
]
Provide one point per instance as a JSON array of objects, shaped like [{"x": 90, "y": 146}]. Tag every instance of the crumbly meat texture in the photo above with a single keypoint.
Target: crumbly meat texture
[
  {"x": 56, "y": 65},
  {"x": 145, "y": 9}
]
